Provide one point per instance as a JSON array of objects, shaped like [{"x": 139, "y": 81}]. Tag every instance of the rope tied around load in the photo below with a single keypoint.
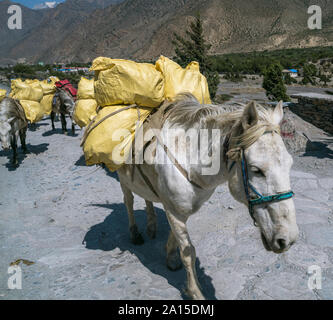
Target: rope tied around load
[{"x": 93, "y": 126}]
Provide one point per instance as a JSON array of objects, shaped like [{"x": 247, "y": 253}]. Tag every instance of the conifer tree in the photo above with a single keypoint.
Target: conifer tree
[
  {"x": 194, "y": 48},
  {"x": 273, "y": 83}
]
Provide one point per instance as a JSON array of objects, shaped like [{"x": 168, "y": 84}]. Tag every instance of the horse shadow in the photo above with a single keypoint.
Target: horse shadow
[
  {"x": 58, "y": 131},
  {"x": 319, "y": 150},
  {"x": 82, "y": 163},
  {"x": 32, "y": 149},
  {"x": 35, "y": 126},
  {"x": 113, "y": 233}
]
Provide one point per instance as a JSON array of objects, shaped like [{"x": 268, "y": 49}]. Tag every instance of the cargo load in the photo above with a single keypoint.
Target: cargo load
[
  {"x": 49, "y": 89},
  {"x": 3, "y": 94},
  {"x": 138, "y": 87},
  {"x": 178, "y": 80},
  {"x": 124, "y": 82},
  {"x": 26, "y": 90},
  {"x": 111, "y": 141},
  {"x": 29, "y": 93},
  {"x": 86, "y": 105},
  {"x": 67, "y": 86}
]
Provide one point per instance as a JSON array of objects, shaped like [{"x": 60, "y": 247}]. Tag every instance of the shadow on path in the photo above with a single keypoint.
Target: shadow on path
[
  {"x": 113, "y": 233},
  {"x": 36, "y": 126},
  {"x": 82, "y": 163},
  {"x": 59, "y": 131},
  {"x": 33, "y": 149},
  {"x": 319, "y": 149}
]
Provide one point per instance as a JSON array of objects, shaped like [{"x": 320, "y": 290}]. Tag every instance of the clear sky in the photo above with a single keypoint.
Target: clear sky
[{"x": 32, "y": 3}]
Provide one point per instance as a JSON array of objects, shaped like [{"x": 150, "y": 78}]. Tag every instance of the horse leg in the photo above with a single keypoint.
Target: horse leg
[
  {"x": 63, "y": 123},
  {"x": 23, "y": 135},
  {"x": 174, "y": 262},
  {"x": 151, "y": 220},
  {"x": 187, "y": 253},
  {"x": 13, "y": 143},
  {"x": 73, "y": 128},
  {"x": 136, "y": 237},
  {"x": 52, "y": 119}
]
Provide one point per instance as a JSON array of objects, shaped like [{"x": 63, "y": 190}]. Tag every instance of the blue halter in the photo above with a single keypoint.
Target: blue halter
[{"x": 260, "y": 199}]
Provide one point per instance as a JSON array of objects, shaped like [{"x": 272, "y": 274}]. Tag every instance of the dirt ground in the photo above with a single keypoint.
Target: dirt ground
[{"x": 70, "y": 221}]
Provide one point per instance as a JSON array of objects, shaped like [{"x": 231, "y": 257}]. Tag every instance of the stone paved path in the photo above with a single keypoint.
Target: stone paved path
[{"x": 71, "y": 221}]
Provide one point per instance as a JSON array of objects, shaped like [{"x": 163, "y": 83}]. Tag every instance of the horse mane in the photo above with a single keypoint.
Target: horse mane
[{"x": 187, "y": 112}]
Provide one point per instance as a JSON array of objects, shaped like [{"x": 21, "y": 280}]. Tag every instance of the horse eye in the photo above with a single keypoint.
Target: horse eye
[{"x": 257, "y": 171}]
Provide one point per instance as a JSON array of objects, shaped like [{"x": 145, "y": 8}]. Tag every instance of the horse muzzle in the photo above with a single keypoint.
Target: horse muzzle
[{"x": 279, "y": 244}]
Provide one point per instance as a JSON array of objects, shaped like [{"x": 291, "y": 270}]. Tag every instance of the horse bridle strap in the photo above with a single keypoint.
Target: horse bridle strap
[
  {"x": 248, "y": 187},
  {"x": 260, "y": 199}
]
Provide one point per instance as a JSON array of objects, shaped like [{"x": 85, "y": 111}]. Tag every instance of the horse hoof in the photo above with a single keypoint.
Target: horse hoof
[
  {"x": 65, "y": 133},
  {"x": 137, "y": 240},
  {"x": 151, "y": 232},
  {"x": 174, "y": 262},
  {"x": 26, "y": 151},
  {"x": 195, "y": 295},
  {"x": 136, "y": 237}
]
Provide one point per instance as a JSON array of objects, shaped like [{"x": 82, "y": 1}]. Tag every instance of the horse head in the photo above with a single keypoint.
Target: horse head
[
  {"x": 260, "y": 176},
  {"x": 5, "y": 129}
]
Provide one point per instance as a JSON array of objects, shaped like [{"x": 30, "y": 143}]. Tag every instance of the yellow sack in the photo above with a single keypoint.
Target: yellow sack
[
  {"x": 3, "y": 94},
  {"x": 127, "y": 82},
  {"x": 86, "y": 105},
  {"x": 28, "y": 90},
  {"x": 49, "y": 89},
  {"x": 86, "y": 89},
  {"x": 53, "y": 79},
  {"x": 85, "y": 111},
  {"x": 46, "y": 104},
  {"x": 110, "y": 142},
  {"x": 33, "y": 111},
  {"x": 178, "y": 80}
]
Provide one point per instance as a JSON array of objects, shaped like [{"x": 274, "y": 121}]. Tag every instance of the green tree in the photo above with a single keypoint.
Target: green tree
[
  {"x": 309, "y": 74},
  {"x": 273, "y": 83},
  {"x": 324, "y": 79},
  {"x": 195, "y": 48},
  {"x": 288, "y": 79}
]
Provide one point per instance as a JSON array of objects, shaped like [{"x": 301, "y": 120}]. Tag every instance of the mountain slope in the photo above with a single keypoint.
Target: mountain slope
[
  {"x": 30, "y": 19},
  {"x": 43, "y": 29},
  {"x": 142, "y": 29}
]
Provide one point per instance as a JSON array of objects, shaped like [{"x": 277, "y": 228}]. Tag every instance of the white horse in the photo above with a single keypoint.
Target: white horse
[{"x": 252, "y": 159}]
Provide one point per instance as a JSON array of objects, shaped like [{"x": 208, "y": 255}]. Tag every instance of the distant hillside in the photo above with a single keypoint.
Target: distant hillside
[{"x": 142, "y": 29}]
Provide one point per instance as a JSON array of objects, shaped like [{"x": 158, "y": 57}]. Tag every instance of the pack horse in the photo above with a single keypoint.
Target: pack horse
[
  {"x": 63, "y": 104},
  {"x": 13, "y": 124},
  {"x": 253, "y": 161}
]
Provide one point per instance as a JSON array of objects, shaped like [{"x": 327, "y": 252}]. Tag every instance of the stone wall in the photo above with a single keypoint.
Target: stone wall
[{"x": 315, "y": 109}]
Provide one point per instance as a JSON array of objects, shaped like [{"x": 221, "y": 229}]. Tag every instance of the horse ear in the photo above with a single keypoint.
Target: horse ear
[
  {"x": 278, "y": 113},
  {"x": 250, "y": 116}
]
